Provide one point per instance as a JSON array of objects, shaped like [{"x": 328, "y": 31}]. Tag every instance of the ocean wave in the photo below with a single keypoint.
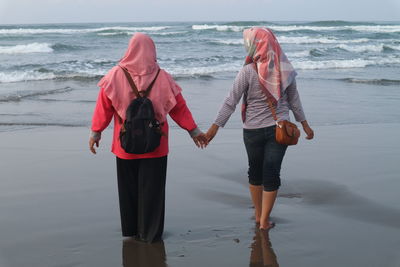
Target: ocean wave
[
  {"x": 81, "y": 77},
  {"x": 169, "y": 33},
  {"x": 344, "y": 63},
  {"x": 360, "y": 28},
  {"x": 32, "y": 31},
  {"x": 18, "y": 96},
  {"x": 368, "y": 48},
  {"x": 315, "y": 52},
  {"x": 372, "y": 81},
  {"x": 298, "y": 54},
  {"x": 66, "y": 47},
  {"x": 38, "y": 48},
  {"x": 49, "y": 74},
  {"x": 388, "y": 48},
  {"x": 223, "y": 28},
  {"x": 321, "y": 40},
  {"x": 338, "y": 23},
  {"x": 377, "y": 48},
  {"x": 304, "y": 27},
  {"x": 19, "y": 76},
  {"x": 27, "y": 48},
  {"x": 128, "y": 33},
  {"x": 227, "y": 41},
  {"x": 362, "y": 48},
  {"x": 206, "y": 71},
  {"x": 113, "y": 34},
  {"x": 249, "y": 23},
  {"x": 306, "y": 40}
]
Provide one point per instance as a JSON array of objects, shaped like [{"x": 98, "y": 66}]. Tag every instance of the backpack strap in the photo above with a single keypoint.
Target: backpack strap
[
  {"x": 133, "y": 86},
  {"x": 147, "y": 92}
]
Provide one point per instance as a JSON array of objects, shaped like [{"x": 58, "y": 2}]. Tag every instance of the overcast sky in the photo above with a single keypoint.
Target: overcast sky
[{"x": 52, "y": 11}]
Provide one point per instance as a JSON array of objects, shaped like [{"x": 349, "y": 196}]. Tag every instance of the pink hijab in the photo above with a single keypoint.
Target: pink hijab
[
  {"x": 275, "y": 72},
  {"x": 141, "y": 62}
]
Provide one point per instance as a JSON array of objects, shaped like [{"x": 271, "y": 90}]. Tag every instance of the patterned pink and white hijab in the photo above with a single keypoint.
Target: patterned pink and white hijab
[{"x": 275, "y": 72}]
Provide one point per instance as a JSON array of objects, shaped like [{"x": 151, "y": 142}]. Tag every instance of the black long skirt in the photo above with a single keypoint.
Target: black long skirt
[{"x": 141, "y": 190}]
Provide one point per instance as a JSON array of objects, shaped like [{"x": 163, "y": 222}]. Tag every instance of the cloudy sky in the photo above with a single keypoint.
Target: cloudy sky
[{"x": 50, "y": 11}]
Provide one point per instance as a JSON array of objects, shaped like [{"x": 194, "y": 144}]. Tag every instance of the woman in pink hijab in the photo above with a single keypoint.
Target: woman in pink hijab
[
  {"x": 141, "y": 177},
  {"x": 267, "y": 73}
]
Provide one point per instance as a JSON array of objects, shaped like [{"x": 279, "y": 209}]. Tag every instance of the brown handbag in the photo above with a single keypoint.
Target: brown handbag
[{"x": 286, "y": 133}]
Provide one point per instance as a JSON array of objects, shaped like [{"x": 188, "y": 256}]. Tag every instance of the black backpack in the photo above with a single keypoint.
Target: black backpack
[{"x": 140, "y": 132}]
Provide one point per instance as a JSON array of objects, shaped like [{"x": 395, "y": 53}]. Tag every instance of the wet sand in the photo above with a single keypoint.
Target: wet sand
[{"x": 338, "y": 205}]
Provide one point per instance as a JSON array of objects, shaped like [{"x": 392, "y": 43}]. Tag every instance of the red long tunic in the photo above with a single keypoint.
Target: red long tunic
[{"x": 104, "y": 112}]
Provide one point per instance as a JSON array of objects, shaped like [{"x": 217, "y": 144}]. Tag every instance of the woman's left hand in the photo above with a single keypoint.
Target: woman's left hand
[{"x": 307, "y": 129}]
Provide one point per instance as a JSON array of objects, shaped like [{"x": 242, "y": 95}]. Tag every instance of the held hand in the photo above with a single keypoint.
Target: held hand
[
  {"x": 307, "y": 129},
  {"x": 200, "y": 140},
  {"x": 212, "y": 132},
  {"x": 92, "y": 142}
]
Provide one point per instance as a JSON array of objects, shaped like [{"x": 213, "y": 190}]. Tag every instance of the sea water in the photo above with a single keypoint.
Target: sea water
[{"x": 48, "y": 72}]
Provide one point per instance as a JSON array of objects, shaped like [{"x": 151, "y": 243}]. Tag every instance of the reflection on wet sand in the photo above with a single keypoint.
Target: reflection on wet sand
[
  {"x": 262, "y": 253},
  {"x": 140, "y": 254}
]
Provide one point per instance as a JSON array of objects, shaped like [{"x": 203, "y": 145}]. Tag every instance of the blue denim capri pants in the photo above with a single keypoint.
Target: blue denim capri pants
[{"x": 265, "y": 157}]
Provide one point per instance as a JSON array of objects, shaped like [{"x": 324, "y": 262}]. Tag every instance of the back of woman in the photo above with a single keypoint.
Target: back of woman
[
  {"x": 267, "y": 85},
  {"x": 141, "y": 177}
]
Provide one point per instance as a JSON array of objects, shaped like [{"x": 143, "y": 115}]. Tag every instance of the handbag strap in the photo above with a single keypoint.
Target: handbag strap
[
  {"x": 133, "y": 86},
  {"x": 271, "y": 106},
  {"x": 273, "y": 111}
]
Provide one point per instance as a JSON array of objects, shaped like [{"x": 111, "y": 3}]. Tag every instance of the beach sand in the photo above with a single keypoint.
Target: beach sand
[{"x": 338, "y": 205}]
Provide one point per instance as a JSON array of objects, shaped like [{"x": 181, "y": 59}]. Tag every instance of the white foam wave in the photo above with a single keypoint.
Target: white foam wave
[
  {"x": 206, "y": 70},
  {"x": 321, "y": 40},
  {"x": 134, "y": 29},
  {"x": 113, "y": 33},
  {"x": 362, "y": 48},
  {"x": 169, "y": 33},
  {"x": 360, "y": 28},
  {"x": 305, "y": 40},
  {"x": 24, "y": 31},
  {"x": 344, "y": 64},
  {"x": 18, "y": 76},
  {"x": 300, "y": 54},
  {"x": 132, "y": 32},
  {"x": 288, "y": 28},
  {"x": 376, "y": 28},
  {"x": 228, "y": 41},
  {"x": 26, "y": 48},
  {"x": 219, "y": 27}
]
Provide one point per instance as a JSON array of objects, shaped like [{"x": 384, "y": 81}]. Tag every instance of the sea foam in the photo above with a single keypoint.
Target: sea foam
[
  {"x": 19, "y": 76},
  {"x": 27, "y": 48},
  {"x": 30, "y": 31},
  {"x": 344, "y": 63}
]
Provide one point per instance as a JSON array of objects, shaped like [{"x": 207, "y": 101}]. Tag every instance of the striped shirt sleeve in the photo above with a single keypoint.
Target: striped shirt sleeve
[
  {"x": 294, "y": 102},
  {"x": 240, "y": 85}
]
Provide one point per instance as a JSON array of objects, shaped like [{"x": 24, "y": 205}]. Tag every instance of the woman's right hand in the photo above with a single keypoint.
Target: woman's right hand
[
  {"x": 212, "y": 132},
  {"x": 93, "y": 142}
]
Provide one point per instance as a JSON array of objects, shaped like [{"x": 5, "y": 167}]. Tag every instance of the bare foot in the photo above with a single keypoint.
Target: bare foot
[
  {"x": 267, "y": 226},
  {"x": 257, "y": 219}
]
